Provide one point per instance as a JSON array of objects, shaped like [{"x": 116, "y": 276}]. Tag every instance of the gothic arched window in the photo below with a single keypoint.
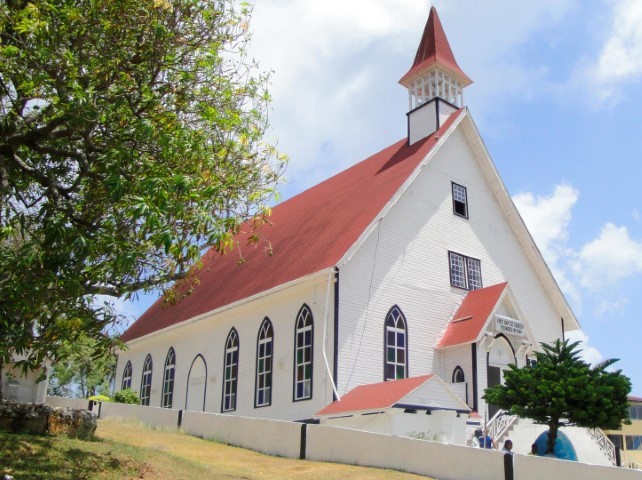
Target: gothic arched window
[{"x": 396, "y": 345}]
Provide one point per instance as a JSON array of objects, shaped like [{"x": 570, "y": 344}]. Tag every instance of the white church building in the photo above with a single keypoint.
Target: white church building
[{"x": 412, "y": 264}]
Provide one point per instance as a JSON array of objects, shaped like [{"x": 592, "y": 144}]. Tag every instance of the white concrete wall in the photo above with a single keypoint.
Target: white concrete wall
[
  {"x": 535, "y": 468},
  {"x": 273, "y": 437},
  {"x": 433, "y": 459},
  {"x": 62, "y": 402},
  {"x": 343, "y": 445},
  {"x": 152, "y": 416},
  {"x": 207, "y": 337}
]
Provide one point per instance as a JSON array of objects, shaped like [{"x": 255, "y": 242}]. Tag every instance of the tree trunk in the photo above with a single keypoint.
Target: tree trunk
[
  {"x": 552, "y": 436},
  {"x": 1, "y": 376}
]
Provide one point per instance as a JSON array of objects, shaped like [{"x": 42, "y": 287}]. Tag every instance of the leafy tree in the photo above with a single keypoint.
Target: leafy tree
[
  {"x": 561, "y": 389},
  {"x": 131, "y": 140},
  {"x": 83, "y": 369}
]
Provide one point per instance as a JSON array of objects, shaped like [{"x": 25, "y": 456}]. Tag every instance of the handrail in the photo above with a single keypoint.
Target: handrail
[
  {"x": 499, "y": 424},
  {"x": 608, "y": 447}
]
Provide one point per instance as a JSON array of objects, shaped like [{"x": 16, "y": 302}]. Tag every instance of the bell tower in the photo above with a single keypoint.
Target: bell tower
[{"x": 435, "y": 82}]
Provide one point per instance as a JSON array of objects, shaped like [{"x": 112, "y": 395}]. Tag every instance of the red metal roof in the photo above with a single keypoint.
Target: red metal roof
[
  {"x": 374, "y": 396},
  {"x": 434, "y": 48},
  {"x": 632, "y": 398},
  {"x": 308, "y": 233},
  {"x": 471, "y": 316}
]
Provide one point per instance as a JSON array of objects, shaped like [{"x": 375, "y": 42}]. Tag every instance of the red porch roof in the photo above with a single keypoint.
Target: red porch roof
[
  {"x": 308, "y": 233},
  {"x": 471, "y": 316},
  {"x": 374, "y": 396}
]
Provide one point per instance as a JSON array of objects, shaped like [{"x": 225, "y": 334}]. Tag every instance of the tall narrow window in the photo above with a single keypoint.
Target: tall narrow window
[
  {"x": 303, "y": 354},
  {"x": 264, "y": 344},
  {"x": 231, "y": 371},
  {"x": 396, "y": 364},
  {"x": 168, "y": 379},
  {"x": 460, "y": 201},
  {"x": 146, "y": 381},
  {"x": 465, "y": 272},
  {"x": 127, "y": 377}
]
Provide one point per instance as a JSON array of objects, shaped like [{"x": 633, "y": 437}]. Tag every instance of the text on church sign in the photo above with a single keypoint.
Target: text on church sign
[{"x": 510, "y": 326}]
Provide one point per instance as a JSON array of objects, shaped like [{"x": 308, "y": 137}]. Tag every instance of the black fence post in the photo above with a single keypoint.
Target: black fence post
[{"x": 508, "y": 466}]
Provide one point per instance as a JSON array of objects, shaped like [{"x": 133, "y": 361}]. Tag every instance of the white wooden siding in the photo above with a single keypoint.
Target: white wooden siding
[
  {"x": 207, "y": 337},
  {"x": 405, "y": 262}
]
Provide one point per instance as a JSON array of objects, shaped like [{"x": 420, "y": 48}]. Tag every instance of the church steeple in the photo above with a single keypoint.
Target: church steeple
[
  {"x": 435, "y": 72},
  {"x": 435, "y": 82}
]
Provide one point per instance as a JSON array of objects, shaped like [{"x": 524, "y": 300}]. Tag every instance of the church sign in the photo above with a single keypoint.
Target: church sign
[{"x": 509, "y": 325}]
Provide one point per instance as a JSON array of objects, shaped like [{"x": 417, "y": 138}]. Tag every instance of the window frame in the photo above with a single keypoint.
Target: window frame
[
  {"x": 467, "y": 264},
  {"x": 391, "y": 326},
  {"x": 229, "y": 394},
  {"x": 264, "y": 364},
  {"x": 169, "y": 376},
  {"x": 146, "y": 381},
  {"x": 303, "y": 367},
  {"x": 454, "y": 187},
  {"x": 126, "y": 381},
  {"x": 456, "y": 372}
]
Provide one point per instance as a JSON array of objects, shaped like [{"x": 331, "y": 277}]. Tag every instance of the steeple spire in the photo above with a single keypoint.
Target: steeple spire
[{"x": 435, "y": 72}]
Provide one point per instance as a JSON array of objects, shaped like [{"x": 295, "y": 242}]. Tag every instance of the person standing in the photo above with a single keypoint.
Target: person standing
[
  {"x": 486, "y": 441},
  {"x": 508, "y": 447}
]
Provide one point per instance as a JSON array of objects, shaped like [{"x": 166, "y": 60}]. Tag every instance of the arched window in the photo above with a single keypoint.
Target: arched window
[
  {"x": 146, "y": 381},
  {"x": 396, "y": 348},
  {"x": 127, "y": 376},
  {"x": 231, "y": 371},
  {"x": 303, "y": 337},
  {"x": 168, "y": 379},
  {"x": 458, "y": 375},
  {"x": 263, "y": 389}
]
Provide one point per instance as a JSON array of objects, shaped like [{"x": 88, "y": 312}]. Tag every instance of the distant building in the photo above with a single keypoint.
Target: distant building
[
  {"x": 24, "y": 387},
  {"x": 412, "y": 263},
  {"x": 629, "y": 437}
]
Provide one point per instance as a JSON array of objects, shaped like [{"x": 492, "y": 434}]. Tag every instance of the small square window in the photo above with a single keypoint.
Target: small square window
[{"x": 460, "y": 200}]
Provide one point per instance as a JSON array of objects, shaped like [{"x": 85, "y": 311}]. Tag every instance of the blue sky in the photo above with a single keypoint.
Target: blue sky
[{"x": 557, "y": 97}]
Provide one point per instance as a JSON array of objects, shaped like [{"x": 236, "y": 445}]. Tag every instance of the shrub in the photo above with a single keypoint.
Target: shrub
[{"x": 127, "y": 396}]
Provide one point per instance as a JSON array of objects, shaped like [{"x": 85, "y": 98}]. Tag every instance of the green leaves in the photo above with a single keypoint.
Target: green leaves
[
  {"x": 131, "y": 140},
  {"x": 562, "y": 388}
]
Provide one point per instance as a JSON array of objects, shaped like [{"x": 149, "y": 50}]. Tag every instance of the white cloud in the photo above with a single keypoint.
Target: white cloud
[
  {"x": 610, "y": 258},
  {"x": 336, "y": 66},
  {"x": 590, "y": 354},
  {"x": 620, "y": 60},
  {"x": 610, "y": 306}
]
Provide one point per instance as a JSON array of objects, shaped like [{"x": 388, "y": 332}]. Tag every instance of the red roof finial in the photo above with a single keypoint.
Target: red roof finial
[{"x": 434, "y": 49}]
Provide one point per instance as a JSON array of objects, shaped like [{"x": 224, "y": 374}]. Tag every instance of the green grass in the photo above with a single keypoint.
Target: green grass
[{"x": 125, "y": 450}]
